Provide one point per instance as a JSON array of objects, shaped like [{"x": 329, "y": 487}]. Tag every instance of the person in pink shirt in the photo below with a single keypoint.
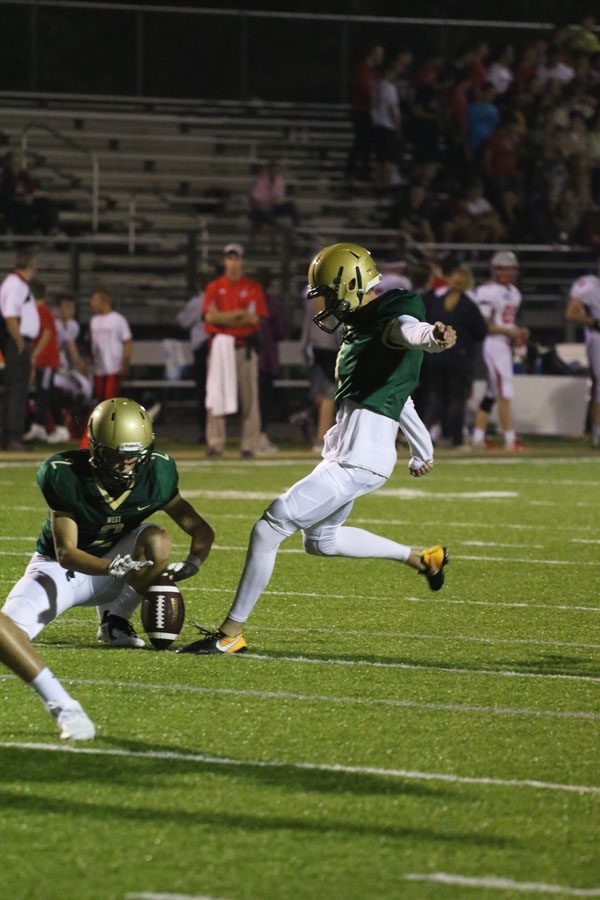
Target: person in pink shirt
[{"x": 267, "y": 198}]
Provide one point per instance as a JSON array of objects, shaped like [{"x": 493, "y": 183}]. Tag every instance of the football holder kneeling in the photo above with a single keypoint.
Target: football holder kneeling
[{"x": 163, "y": 613}]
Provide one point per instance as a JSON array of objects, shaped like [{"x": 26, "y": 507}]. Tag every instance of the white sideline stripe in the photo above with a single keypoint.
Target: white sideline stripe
[
  {"x": 502, "y": 884},
  {"x": 411, "y": 635},
  {"x": 322, "y": 698},
  {"x": 310, "y": 462},
  {"x": 517, "y": 604},
  {"x": 150, "y": 895},
  {"x": 397, "y": 493},
  {"x": 294, "y": 551},
  {"x": 523, "y": 460},
  {"x": 306, "y": 766},
  {"x": 367, "y": 663},
  {"x": 361, "y": 520},
  {"x": 503, "y": 673},
  {"x": 526, "y": 481}
]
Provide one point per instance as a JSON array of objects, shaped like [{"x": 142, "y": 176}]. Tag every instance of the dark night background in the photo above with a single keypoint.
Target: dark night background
[{"x": 166, "y": 53}]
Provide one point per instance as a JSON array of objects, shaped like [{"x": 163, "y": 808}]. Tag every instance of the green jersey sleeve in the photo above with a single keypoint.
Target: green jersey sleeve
[
  {"x": 400, "y": 303},
  {"x": 165, "y": 478},
  {"x": 56, "y": 481}
]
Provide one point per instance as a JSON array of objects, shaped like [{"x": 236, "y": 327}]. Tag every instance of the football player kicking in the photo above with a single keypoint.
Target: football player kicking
[
  {"x": 95, "y": 548},
  {"x": 378, "y": 366}
]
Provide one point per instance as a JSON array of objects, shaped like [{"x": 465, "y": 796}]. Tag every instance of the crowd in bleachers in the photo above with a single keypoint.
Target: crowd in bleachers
[{"x": 496, "y": 143}]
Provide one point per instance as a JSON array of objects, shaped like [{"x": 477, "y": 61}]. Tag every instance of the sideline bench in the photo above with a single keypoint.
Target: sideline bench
[{"x": 150, "y": 361}]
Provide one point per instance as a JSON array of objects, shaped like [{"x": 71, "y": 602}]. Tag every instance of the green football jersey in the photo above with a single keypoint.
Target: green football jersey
[
  {"x": 70, "y": 485},
  {"x": 367, "y": 372}
]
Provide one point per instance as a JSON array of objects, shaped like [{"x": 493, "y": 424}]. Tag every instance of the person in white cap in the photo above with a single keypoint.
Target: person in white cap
[
  {"x": 232, "y": 309},
  {"x": 499, "y": 301},
  {"x": 584, "y": 309}
]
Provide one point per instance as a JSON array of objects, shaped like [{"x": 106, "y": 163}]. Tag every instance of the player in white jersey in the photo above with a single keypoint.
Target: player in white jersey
[
  {"x": 72, "y": 376},
  {"x": 499, "y": 301},
  {"x": 584, "y": 309}
]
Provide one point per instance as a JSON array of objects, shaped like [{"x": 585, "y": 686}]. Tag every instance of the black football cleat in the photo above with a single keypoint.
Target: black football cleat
[
  {"x": 215, "y": 642},
  {"x": 117, "y": 632},
  {"x": 435, "y": 559}
]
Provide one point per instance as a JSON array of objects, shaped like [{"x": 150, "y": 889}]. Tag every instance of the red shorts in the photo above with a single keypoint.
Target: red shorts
[{"x": 106, "y": 386}]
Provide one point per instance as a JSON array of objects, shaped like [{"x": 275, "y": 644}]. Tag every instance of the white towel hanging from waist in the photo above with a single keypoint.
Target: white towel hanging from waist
[{"x": 221, "y": 381}]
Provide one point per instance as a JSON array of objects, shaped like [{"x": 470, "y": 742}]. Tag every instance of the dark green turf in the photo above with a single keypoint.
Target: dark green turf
[{"x": 354, "y": 664}]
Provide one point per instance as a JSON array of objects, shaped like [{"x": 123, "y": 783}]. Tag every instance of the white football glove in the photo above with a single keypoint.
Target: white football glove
[
  {"x": 179, "y": 571},
  {"x": 122, "y": 565}
]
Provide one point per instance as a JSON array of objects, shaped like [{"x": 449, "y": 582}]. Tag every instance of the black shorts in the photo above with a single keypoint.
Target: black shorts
[{"x": 386, "y": 144}]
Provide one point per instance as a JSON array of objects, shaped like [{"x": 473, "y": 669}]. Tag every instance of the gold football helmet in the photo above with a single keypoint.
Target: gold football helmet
[
  {"x": 342, "y": 274},
  {"x": 120, "y": 433}
]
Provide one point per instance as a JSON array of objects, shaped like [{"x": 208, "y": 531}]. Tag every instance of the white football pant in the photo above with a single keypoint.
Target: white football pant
[
  {"x": 318, "y": 506},
  {"x": 46, "y": 589}
]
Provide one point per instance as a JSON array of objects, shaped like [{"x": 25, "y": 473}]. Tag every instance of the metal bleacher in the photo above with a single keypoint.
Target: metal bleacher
[{"x": 166, "y": 171}]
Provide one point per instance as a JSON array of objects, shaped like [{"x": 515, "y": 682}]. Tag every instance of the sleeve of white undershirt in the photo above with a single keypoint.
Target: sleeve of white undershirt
[
  {"x": 406, "y": 332},
  {"x": 419, "y": 441}
]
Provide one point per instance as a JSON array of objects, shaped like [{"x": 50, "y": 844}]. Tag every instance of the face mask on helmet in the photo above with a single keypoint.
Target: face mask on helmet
[
  {"x": 121, "y": 442},
  {"x": 342, "y": 275}
]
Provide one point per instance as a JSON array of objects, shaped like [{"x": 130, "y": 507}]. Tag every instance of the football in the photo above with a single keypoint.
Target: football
[{"x": 162, "y": 612}]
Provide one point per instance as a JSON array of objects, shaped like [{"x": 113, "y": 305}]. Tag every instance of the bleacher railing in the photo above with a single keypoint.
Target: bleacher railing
[
  {"x": 69, "y": 142},
  {"x": 225, "y": 49}
]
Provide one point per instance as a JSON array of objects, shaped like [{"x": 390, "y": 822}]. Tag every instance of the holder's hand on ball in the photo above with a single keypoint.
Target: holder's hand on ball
[{"x": 179, "y": 571}]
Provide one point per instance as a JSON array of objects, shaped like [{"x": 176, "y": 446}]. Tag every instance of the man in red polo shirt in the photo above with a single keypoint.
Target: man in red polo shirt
[{"x": 233, "y": 307}]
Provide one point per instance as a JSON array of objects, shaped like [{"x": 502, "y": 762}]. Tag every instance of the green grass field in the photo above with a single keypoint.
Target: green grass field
[{"x": 378, "y": 741}]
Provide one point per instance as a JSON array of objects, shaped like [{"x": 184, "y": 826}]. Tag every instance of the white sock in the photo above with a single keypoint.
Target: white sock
[
  {"x": 596, "y": 431},
  {"x": 260, "y": 562},
  {"x": 478, "y": 436},
  {"x": 509, "y": 438},
  {"x": 359, "y": 544},
  {"x": 126, "y": 603},
  {"x": 49, "y": 688}
]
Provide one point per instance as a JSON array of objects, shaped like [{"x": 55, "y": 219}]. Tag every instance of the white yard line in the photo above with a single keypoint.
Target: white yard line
[
  {"x": 330, "y": 700},
  {"x": 409, "y": 635},
  {"x": 151, "y": 895},
  {"x": 373, "y": 664},
  {"x": 231, "y": 548},
  {"x": 396, "y": 493},
  {"x": 227, "y": 590},
  {"x": 340, "y": 768},
  {"x": 492, "y": 882}
]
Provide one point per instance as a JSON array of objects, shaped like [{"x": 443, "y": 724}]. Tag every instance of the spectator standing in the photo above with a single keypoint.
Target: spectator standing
[
  {"x": 483, "y": 119},
  {"x": 499, "y": 301},
  {"x": 233, "y": 307},
  {"x": 273, "y": 330},
  {"x": 72, "y": 376},
  {"x": 478, "y": 68},
  {"x": 267, "y": 198},
  {"x": 385, "y": 114},
  {"x": 190, "y": 318},
  {"x": 111, "y": 344},
  {"x": 24, "y": 210},
  {"x": 500, "y": 72},
  {"x": 451, "y": 374},
  {"x": 359, "y": 158},
  {"x": 20, "y": 325},
  {"x": 585, "y": 40},
  {"x": 427, "y": 116},
  {"x": 584, "y": 310},
  {"x": 45, "y": 361}
]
